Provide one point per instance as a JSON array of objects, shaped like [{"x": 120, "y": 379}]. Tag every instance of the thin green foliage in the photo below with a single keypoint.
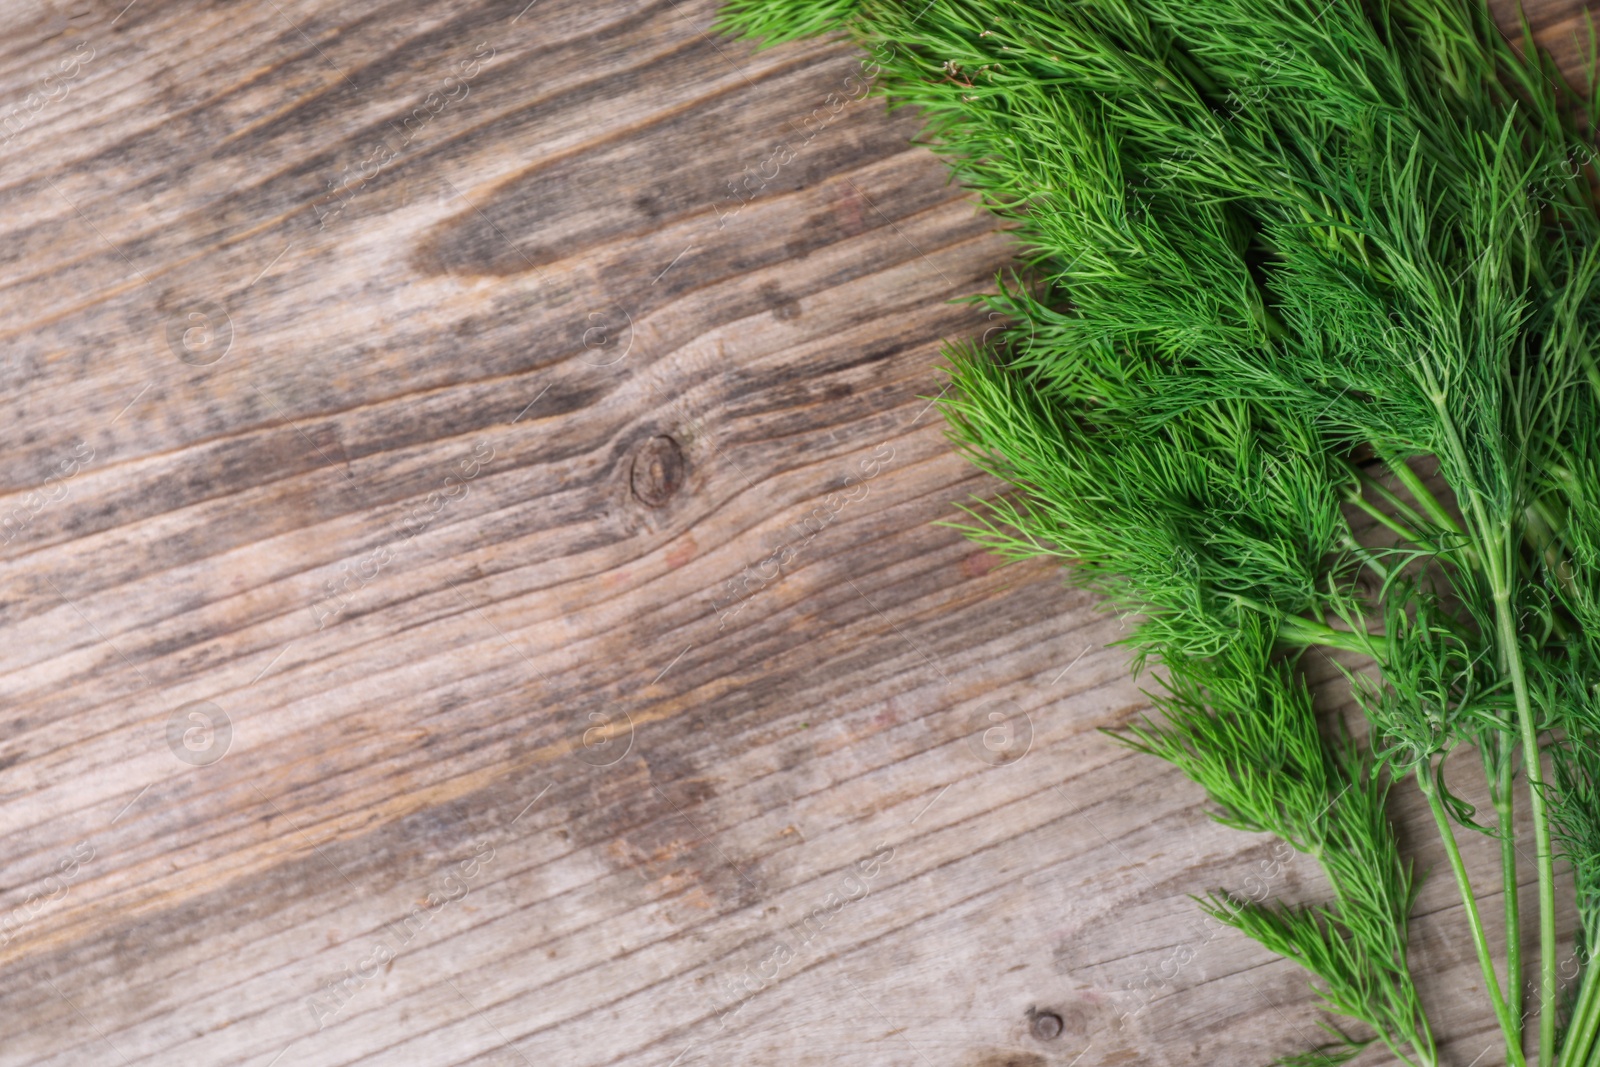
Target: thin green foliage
[{"x": 1285, "y": 258}]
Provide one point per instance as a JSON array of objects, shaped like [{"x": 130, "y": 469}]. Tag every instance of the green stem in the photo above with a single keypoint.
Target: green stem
[
  {"x": 1301, "y": 632},
  {"x": 1404, "y": 510},
  {"x": 1421, "y": 495},
  {"x": 1590, "y": 370},
  {"x": 1496, "y": 543},
  {"x": 1511, "y": 648},
  {"x": 1352, "y": 546},
  {"x": 1393, "y": 1046},
  {"x": 1509, "y": 1025},
  {"x": 1428, "y": 1050},
  {"x": 1585, "y": 1018},
  {"x": 1422, "y": 1042},
  {"x": 1503, "y": 796},
  {"x": 1404, "y": 533}
]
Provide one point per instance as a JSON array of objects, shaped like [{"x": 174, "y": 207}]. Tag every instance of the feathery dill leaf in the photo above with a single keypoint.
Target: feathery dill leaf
[{"x": 1283, "y": 257}]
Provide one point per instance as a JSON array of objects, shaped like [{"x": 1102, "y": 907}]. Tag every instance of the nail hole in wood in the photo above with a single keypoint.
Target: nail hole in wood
[{"x": 1046, "y": 1025}]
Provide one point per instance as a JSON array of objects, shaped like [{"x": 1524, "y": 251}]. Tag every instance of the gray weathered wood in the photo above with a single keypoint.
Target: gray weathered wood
[{"x": 647, "y": 649}]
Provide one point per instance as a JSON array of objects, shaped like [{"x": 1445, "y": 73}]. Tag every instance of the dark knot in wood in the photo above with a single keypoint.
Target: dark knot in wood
[{"x": 658, "y": 471}]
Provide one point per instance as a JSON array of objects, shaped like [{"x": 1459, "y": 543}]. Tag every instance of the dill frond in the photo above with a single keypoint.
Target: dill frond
[{"x": 1282, "y": 256}]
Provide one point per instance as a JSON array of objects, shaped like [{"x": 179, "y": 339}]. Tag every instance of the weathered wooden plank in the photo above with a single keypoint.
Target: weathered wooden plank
[{"x": 541, "y": 397}]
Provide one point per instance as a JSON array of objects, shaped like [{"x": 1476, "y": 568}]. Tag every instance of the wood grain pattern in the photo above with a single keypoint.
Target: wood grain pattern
[{"x": 514, "y": 421}]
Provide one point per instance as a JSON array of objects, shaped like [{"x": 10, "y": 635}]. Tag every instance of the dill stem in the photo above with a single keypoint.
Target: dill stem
[
  {"x": 1503, "y": 796},
  {"x": 1301, "y": 632},
  {"x": 1590, "y": 370},
  {"x": 1498, "y": 544},
  {"x": 1426, "y": 1048},
  {"x": 1403, "y": 532},
  {"x": 1430, "y": 503},
  {"x": 1585, "y": 1016},
  {"x": 1394, "y": 1047},
  {"x": 1512, "y": 651},
  {"x": 1427, "y": 781},
  {"x": 1427, "y": 1035},
  {"x": 1404, "y": 510},
  {"x": 1354, "y": 547},
  {"x": 1421, "y": 494},
  {"x": 1421, "y": 1041}
]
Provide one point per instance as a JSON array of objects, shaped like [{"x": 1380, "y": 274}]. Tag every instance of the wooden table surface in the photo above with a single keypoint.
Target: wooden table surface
[{"x": 470, "y": 589}]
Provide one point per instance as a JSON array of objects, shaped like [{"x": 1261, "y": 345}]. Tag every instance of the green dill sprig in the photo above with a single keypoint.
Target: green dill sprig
[{"x": 1284, "y": 256}]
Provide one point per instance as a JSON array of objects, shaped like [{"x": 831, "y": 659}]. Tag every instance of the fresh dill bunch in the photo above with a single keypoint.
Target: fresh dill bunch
[{"x": 1284, "y": 256}]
